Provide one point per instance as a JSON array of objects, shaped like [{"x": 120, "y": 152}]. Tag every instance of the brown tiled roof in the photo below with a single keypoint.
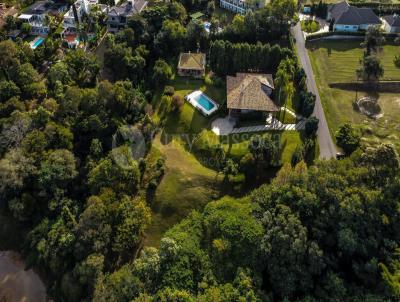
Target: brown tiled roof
[
  {"x": 247, "y": 91},
  {"x": 193, "y": 61}
]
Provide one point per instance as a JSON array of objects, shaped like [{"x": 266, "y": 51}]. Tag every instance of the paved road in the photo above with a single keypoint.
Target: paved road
[{"x": 327, "y": 147}]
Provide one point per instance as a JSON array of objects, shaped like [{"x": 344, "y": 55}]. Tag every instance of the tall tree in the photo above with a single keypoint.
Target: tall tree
[
  {"x": 373, "y": 40},
  {"x": 371, "y": 69}
]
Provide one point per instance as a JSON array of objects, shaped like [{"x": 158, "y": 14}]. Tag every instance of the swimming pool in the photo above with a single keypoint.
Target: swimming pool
[
  {"x": 35, "y": 43},
  {"x": 202, "y": 102},
  {"x": 207, "y": 26}
]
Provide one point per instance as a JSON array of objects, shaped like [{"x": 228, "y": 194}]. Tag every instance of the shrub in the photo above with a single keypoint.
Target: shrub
[
  {"x": 177, "y": 102},
  {"x": 204, "y": 142},
  {"x": 169, "y": 90},
  {"x": 310, "y": 26},
  {"x": 246, "y": 166},
  {"x": 148, "y": 95},
  {"x": 297, "y": 156},
  {"x": 217, "y": 81},
  {"x": 165, "y": 106},
  {"x": 306, "y": 103},
  {"x": 347, "y": 138},
  {"x": 311, "y": 126}
]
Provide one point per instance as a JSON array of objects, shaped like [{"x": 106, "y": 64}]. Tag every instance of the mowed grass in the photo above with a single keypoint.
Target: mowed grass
[
  {"x": 189, "y": 119},
  {"x": 336, "y": 62},
  {"x": 236, "y": 145},
  {"x": 187, "y": 185},
  {"x": 342, "y": 58}
]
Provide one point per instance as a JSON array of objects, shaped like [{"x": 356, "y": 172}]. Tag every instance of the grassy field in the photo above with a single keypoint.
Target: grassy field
[
  {"x": 236, "y": 145},
  {"x": 336, "y": 62},
  {"x": 187, "y": 185}
]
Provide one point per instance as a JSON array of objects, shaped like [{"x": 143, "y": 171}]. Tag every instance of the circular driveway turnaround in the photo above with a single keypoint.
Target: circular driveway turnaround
[{"x": 327, "y": 148}]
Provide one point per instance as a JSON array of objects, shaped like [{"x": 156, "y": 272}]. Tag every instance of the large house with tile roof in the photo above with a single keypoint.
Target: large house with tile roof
[
  {"x": 249, "y": 92},
  {"x": 350, "y": 18},
  {"x": 192, "y": 64}
]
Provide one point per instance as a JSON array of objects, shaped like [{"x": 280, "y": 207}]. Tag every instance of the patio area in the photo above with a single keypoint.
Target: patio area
[{"x": 226, "y": 126}]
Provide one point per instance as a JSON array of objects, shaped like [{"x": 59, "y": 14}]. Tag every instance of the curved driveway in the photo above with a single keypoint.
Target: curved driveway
[{"x": 327, "y": 148}]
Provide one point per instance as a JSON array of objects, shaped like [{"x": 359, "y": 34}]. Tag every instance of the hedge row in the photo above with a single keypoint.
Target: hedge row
[{"x": 343, "y": 33}]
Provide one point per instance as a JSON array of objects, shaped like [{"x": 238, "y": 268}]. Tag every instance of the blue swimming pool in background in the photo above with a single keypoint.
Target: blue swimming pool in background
[
  {"x": 37, "y": 43},
  {"x": 204, "y": 102}
]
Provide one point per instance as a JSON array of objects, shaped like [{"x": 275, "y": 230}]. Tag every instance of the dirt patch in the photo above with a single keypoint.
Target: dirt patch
[{"x": 18, "y": 284}]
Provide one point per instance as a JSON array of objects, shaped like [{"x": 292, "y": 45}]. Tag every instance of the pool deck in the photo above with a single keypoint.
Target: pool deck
[{"x": 191, "y": 99}]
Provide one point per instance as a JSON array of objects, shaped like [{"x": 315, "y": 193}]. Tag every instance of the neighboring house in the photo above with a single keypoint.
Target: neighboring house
[
  {"x": 118, "y": 15},
  {"x": 241, "y": 6},
  {"x": 4, "y": 12},
  {"x": 192, "y": 65},
  {"x": 392, "y": 23},
  {"x": 250, "y": 92},
  {"x": 36, "y": 14},
  {"x": 14, "y": 34},
  {"x": 82, "y": 8},
  {"x": 351, "y": 19}
]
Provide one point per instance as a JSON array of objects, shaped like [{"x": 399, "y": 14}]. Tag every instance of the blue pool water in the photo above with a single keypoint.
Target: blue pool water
[
  {"x": 204, "y": 102},
  {"x": 37, "y": 43},
  {"x": 207, "y": 26}
]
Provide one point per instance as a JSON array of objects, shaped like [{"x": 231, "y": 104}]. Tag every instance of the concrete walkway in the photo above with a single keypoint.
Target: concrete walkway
[
  {"x": 225, "y": 126},
  {"x": 275, "y": 127}
]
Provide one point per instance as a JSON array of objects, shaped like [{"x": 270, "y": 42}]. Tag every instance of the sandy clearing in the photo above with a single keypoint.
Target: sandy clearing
[{"x": 17, "y": 284}]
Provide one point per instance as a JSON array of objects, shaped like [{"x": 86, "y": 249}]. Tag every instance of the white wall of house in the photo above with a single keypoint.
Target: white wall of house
[
  {"x": 236, "y": 6},
  {"x": 82, "y": 7},
  {"x": 395, "y": 29},
  {"x": 37, "y": 23},
  {"x": 390, "y": 29},
  {"x": 365, "y": 26},
  {"x": 343, "y": 27}
]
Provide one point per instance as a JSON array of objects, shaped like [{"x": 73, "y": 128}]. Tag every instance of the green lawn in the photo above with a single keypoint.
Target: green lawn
[
  {"x": 236, "y": 145},
  {"x": 190, "y": 120},
  {"x": 336, "y": 62},
  {"x": 187, "y": 185},
  {"x": 341, "y": 59}
]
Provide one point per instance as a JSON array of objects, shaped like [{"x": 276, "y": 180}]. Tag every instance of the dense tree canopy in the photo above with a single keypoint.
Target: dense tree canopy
[{"x": 82, "y": 197}]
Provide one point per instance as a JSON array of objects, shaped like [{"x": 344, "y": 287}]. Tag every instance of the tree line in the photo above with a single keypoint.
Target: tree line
[{"x": 229, "y": 58}]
